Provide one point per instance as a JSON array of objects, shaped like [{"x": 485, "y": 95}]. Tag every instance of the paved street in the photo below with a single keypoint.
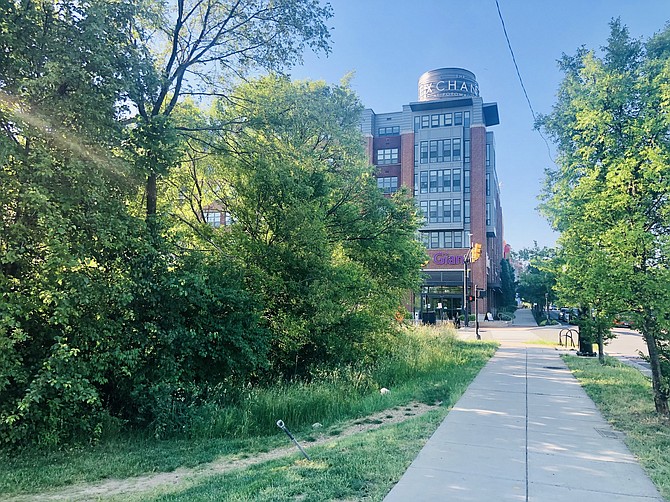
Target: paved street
[{"x": 525, "y": 430}]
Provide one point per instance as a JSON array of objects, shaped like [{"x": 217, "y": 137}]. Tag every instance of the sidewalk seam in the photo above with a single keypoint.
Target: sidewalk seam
[{"x": 526, "y": 425}]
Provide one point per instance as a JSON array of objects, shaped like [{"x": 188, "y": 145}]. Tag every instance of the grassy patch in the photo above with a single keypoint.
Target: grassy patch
[
  {"x": 427, "y": 366},
  {"x": 624, "y": 396},
  {"x": 360, "y": 467}
]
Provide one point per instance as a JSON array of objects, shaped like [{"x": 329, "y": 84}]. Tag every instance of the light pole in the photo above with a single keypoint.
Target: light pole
[{"x": 546, "y": 305}]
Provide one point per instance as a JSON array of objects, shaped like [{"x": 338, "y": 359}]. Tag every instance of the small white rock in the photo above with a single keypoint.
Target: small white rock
[
  {"x": 384, "y": 390},
  {"x": 316, "y": 426}
]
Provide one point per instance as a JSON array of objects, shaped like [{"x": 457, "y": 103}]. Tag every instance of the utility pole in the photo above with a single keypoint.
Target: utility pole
[
  {"x": 466, "y": 315},
  {"x": 477, "y": 315}
]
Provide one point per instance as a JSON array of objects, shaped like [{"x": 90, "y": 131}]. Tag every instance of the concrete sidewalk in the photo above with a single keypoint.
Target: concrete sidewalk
[{"x": 525, "y": 430}]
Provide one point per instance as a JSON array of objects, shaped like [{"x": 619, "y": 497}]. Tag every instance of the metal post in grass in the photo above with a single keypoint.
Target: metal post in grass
[{"x": 281, "y": 425}]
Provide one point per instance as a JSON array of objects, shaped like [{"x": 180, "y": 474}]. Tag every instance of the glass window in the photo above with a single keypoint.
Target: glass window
[
  {"x": 432, "y": 181},
  {"x": 425, "y": 238},
  {"x": 446, "y": 182},
  {"x": 446, "y": 150},
  {"x": 488, "y": 154},
  {"x": 389, "y": 131},
  {"x": 448, "y": 119},
  {"x": 488, "y": 214},
  {"x": 387, "y": 156},
  {"x": 466, "y": 119},
  {"x": 433, "y": 151},
  {"x": 446, "y": 211},
  {"x": 416, "y": 155},
  {"x": 425, "y": 121},
  {"x": 488, "y": 184},
  {"x": 424, "y": 209},
  {"x": 466, "y": 151},
  {"x": 424, "y": 182},
  {"x": 424, "y": 152},
  {"x": 435, "y": 240},
  {"x": 417, "y": 123},
  {"x": 466, "y": 181},
  {"x": 456, "y": 149},
  {"x": 416, "y": 184},
  {"x": 440, "y": 180},
  {"x": 458, "y": 239},
  {"x": 448, "y": 240},
  {"x": 456, "y": 211},
  {"x": 213, "y": 218},
  {"x": 435, "y": 120},
  {"x": 458, "y": 118},
  {"x": 456, "y": 180},
  {"x": 388, "y": 184},
  {"x": 432, "y": 212},
  {"x": 466, "y": 211}
]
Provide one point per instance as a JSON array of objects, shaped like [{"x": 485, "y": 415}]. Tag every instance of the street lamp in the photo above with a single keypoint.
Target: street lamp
[{"x": 546, "y": 305}]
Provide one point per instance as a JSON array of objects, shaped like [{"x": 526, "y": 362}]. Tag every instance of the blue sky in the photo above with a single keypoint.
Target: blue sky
[{"x": 389, "y": 44}]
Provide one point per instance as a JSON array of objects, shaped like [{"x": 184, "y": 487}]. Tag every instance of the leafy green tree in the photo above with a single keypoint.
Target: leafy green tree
[
  {"x": 199, "y": 48},
  {"x": 330, "y": 256},
  {"x": 538, "y": 279},
  {"x": 608, "y": 196},
  {"x": 508, "y": 284}
]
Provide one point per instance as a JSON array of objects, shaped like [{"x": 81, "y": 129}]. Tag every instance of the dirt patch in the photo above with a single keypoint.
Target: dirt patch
[{"x": 166, "y": 480}]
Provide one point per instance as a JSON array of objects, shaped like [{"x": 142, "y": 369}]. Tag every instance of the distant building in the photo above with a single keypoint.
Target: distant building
[{"x": 439, "y": 147}]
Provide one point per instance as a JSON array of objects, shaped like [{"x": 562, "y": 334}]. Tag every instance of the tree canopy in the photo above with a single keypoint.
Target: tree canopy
[{"x": 608, "y": 195}]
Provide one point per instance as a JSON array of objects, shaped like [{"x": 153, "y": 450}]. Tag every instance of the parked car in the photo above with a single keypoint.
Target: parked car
[
  {"x": 562, "y": 312},
  {"x": 623, "y": 322}
]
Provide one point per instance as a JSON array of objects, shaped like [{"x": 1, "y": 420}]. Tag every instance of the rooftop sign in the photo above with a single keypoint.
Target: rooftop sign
[{"x": 447, "y": 83}]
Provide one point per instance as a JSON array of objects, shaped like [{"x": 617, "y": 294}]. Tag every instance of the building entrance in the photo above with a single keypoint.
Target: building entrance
[{"x": 440, "y": 303}]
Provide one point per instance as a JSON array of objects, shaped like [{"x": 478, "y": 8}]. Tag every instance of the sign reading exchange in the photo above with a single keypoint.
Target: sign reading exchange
[{"x": 447, "y": 82}]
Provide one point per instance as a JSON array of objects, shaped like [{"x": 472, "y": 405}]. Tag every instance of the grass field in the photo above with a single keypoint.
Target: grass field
[
  {"x": 624, "y": 396},
  {"x": 429, "y": 367}
]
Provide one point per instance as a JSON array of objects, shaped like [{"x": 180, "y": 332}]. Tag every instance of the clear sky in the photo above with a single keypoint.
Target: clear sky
[{"x": 390, "y": 43}]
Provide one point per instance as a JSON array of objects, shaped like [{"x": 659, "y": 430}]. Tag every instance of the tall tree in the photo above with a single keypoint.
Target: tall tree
[
  {"x": 608, "y": 196},
  {"x": 537, "y": 281},
  {"x": 330, "y": 255},
  {"x": 199, "y": 48}
]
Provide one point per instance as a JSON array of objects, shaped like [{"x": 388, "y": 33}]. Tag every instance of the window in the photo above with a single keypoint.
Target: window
[
  {"x": 466, "y": 211},
  {"x": 466, "y": 181},
  {"x": 458, "y": 118},
  {"x": 389, "y": 131},
  {"x": 425, "y": 121},
  {"x": 446, "y": 211},
  {"x": 424, "y": 182},
  {"x": 446, "y": 150},
  {"x": 435, "y": 240},
  {"x": 417, "y": 123},
  {"x": 458, "y": 239},
  {"x": 433, "y": 151},
  {"x": 448, "y": 239},
  {"x": 456, "y": 149},
  {"x": 387, "y": 156},
  {"x": 416, "y": 184},
  {"x": 433, "y": 214},
  {"x": 432, "y": 182},
  {"x": 388, "y": 184},
  {"x": 425, "y": 238},
  {"x": 466, "y": 151},
  {"x": 213, "y": 218},
  {"x": 435, "y": 120},
  {"x": 456, "y": 212},
  {"x": 446, "y": 180},
  {"x": 488, "y": 184},
  {"x": 424, "y": 209},
  {"x": 488, "y": 154},
  {"x": 466, "y": 119},
  {"x": 416, "y": 155},
  {"x": 424, "y": 152},
  {"x": 448, "y": 119},
  {"x": 456, "y": 180},
  {"x": 488, "y": 214}
]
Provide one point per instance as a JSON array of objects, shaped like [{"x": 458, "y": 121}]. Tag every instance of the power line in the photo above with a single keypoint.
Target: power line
[{"x": 523, "y": 87}]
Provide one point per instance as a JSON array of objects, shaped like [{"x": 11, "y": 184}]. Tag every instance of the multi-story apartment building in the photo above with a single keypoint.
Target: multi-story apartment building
[{"x": 440, "y": 148}]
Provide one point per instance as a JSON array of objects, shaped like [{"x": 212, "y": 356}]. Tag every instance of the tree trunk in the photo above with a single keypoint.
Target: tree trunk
[
  {"x": 660, "y": 396},
  {"x": 601, "y": 346},
  {"x": 152, "y": 195}
]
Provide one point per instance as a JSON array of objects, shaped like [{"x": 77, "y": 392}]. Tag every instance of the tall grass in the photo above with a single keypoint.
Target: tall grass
[{"x": 421, "y": 363}]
